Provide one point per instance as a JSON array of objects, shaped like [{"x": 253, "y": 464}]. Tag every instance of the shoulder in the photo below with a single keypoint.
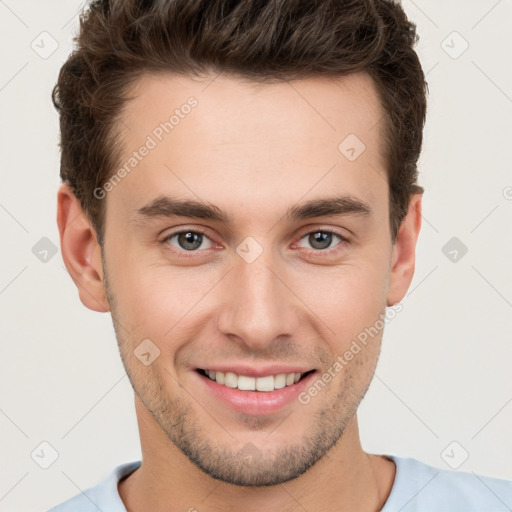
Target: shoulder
[
  {"x": 419, "y": 487},
  {"x": 102, "y": 496}
]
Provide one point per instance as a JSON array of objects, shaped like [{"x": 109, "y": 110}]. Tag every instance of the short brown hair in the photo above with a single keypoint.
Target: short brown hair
[{"x": 262, "y": 40}]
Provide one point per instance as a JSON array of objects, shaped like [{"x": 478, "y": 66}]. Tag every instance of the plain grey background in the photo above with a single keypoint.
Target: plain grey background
[{"x": 442, "y": 391}]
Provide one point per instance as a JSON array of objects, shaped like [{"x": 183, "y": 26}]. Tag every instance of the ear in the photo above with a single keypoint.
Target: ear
[
  {"x": 80, "y": 251},
  {"x": 404, "y": 252}
]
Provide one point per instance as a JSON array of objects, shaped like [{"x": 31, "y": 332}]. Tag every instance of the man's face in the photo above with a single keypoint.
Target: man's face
[{"x": 258, "y": 290}]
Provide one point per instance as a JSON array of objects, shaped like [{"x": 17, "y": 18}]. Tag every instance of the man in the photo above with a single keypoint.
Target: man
[{"x": 240, "y": 193}]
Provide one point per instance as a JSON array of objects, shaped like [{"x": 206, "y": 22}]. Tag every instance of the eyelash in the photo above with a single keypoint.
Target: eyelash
[{"x": 182, "y": 252}]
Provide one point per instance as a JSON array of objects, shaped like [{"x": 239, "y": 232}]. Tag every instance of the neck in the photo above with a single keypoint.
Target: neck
[{"x": 346, "y": 478}]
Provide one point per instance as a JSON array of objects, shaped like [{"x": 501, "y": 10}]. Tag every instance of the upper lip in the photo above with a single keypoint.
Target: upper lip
[{"x": 252, "y": 371}]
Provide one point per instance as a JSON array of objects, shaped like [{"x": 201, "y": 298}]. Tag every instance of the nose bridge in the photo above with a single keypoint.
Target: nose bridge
[{"x": 258, "y": 306}]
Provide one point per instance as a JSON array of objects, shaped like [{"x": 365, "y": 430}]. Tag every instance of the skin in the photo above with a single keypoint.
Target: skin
[{"x": 253, "y": 151}]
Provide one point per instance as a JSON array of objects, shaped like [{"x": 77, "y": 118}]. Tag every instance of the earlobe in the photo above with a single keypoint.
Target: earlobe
[
  {"x": 80, "y": 251},
  {"x": 404, "y": 252}
]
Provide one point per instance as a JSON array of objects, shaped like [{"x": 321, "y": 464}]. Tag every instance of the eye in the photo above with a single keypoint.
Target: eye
[
  {"x": 188, "y": 240},
  {"x": 194, "y": 241},
  {"x": 322, "y": 240}
]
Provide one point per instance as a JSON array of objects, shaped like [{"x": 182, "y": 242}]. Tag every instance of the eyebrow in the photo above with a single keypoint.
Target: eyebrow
[{"x": 165, "y": 207}]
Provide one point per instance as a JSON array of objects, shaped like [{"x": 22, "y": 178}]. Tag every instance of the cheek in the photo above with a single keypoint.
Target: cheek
[
  {"x": 159, "y": 301},
  {"x": 344, "y": 296}
]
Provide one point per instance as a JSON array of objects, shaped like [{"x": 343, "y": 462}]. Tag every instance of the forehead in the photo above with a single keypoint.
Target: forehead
[
  {"x": 228, "y": 102},
  {"x": 214, "y": 135}
]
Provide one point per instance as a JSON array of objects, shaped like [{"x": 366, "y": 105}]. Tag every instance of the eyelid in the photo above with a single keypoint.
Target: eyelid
[
  {"x": 194, "y": 229},
  {"x": 323, "y": 229}
]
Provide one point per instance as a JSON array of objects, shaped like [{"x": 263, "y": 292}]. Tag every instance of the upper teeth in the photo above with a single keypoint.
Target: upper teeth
[{"x": 246, "y": 383}]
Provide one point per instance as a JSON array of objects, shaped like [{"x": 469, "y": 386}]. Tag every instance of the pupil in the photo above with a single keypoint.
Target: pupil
[
  {"x": 189, "y": 240},
  {"x": 320, "y": 238}
]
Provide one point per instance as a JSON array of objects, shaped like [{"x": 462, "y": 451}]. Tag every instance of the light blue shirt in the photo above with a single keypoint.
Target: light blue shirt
[{"x": 418, "y": 487}]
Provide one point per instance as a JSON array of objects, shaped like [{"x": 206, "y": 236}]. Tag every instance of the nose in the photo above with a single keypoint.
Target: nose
[{"x": 259, "y": 305}]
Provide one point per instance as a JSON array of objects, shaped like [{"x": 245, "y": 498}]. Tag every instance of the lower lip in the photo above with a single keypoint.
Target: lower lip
[{"x": 256, "y": 403}]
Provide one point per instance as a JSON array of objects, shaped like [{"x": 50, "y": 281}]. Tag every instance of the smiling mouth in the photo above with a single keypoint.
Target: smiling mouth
[{"x": 246, "y": 383}]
